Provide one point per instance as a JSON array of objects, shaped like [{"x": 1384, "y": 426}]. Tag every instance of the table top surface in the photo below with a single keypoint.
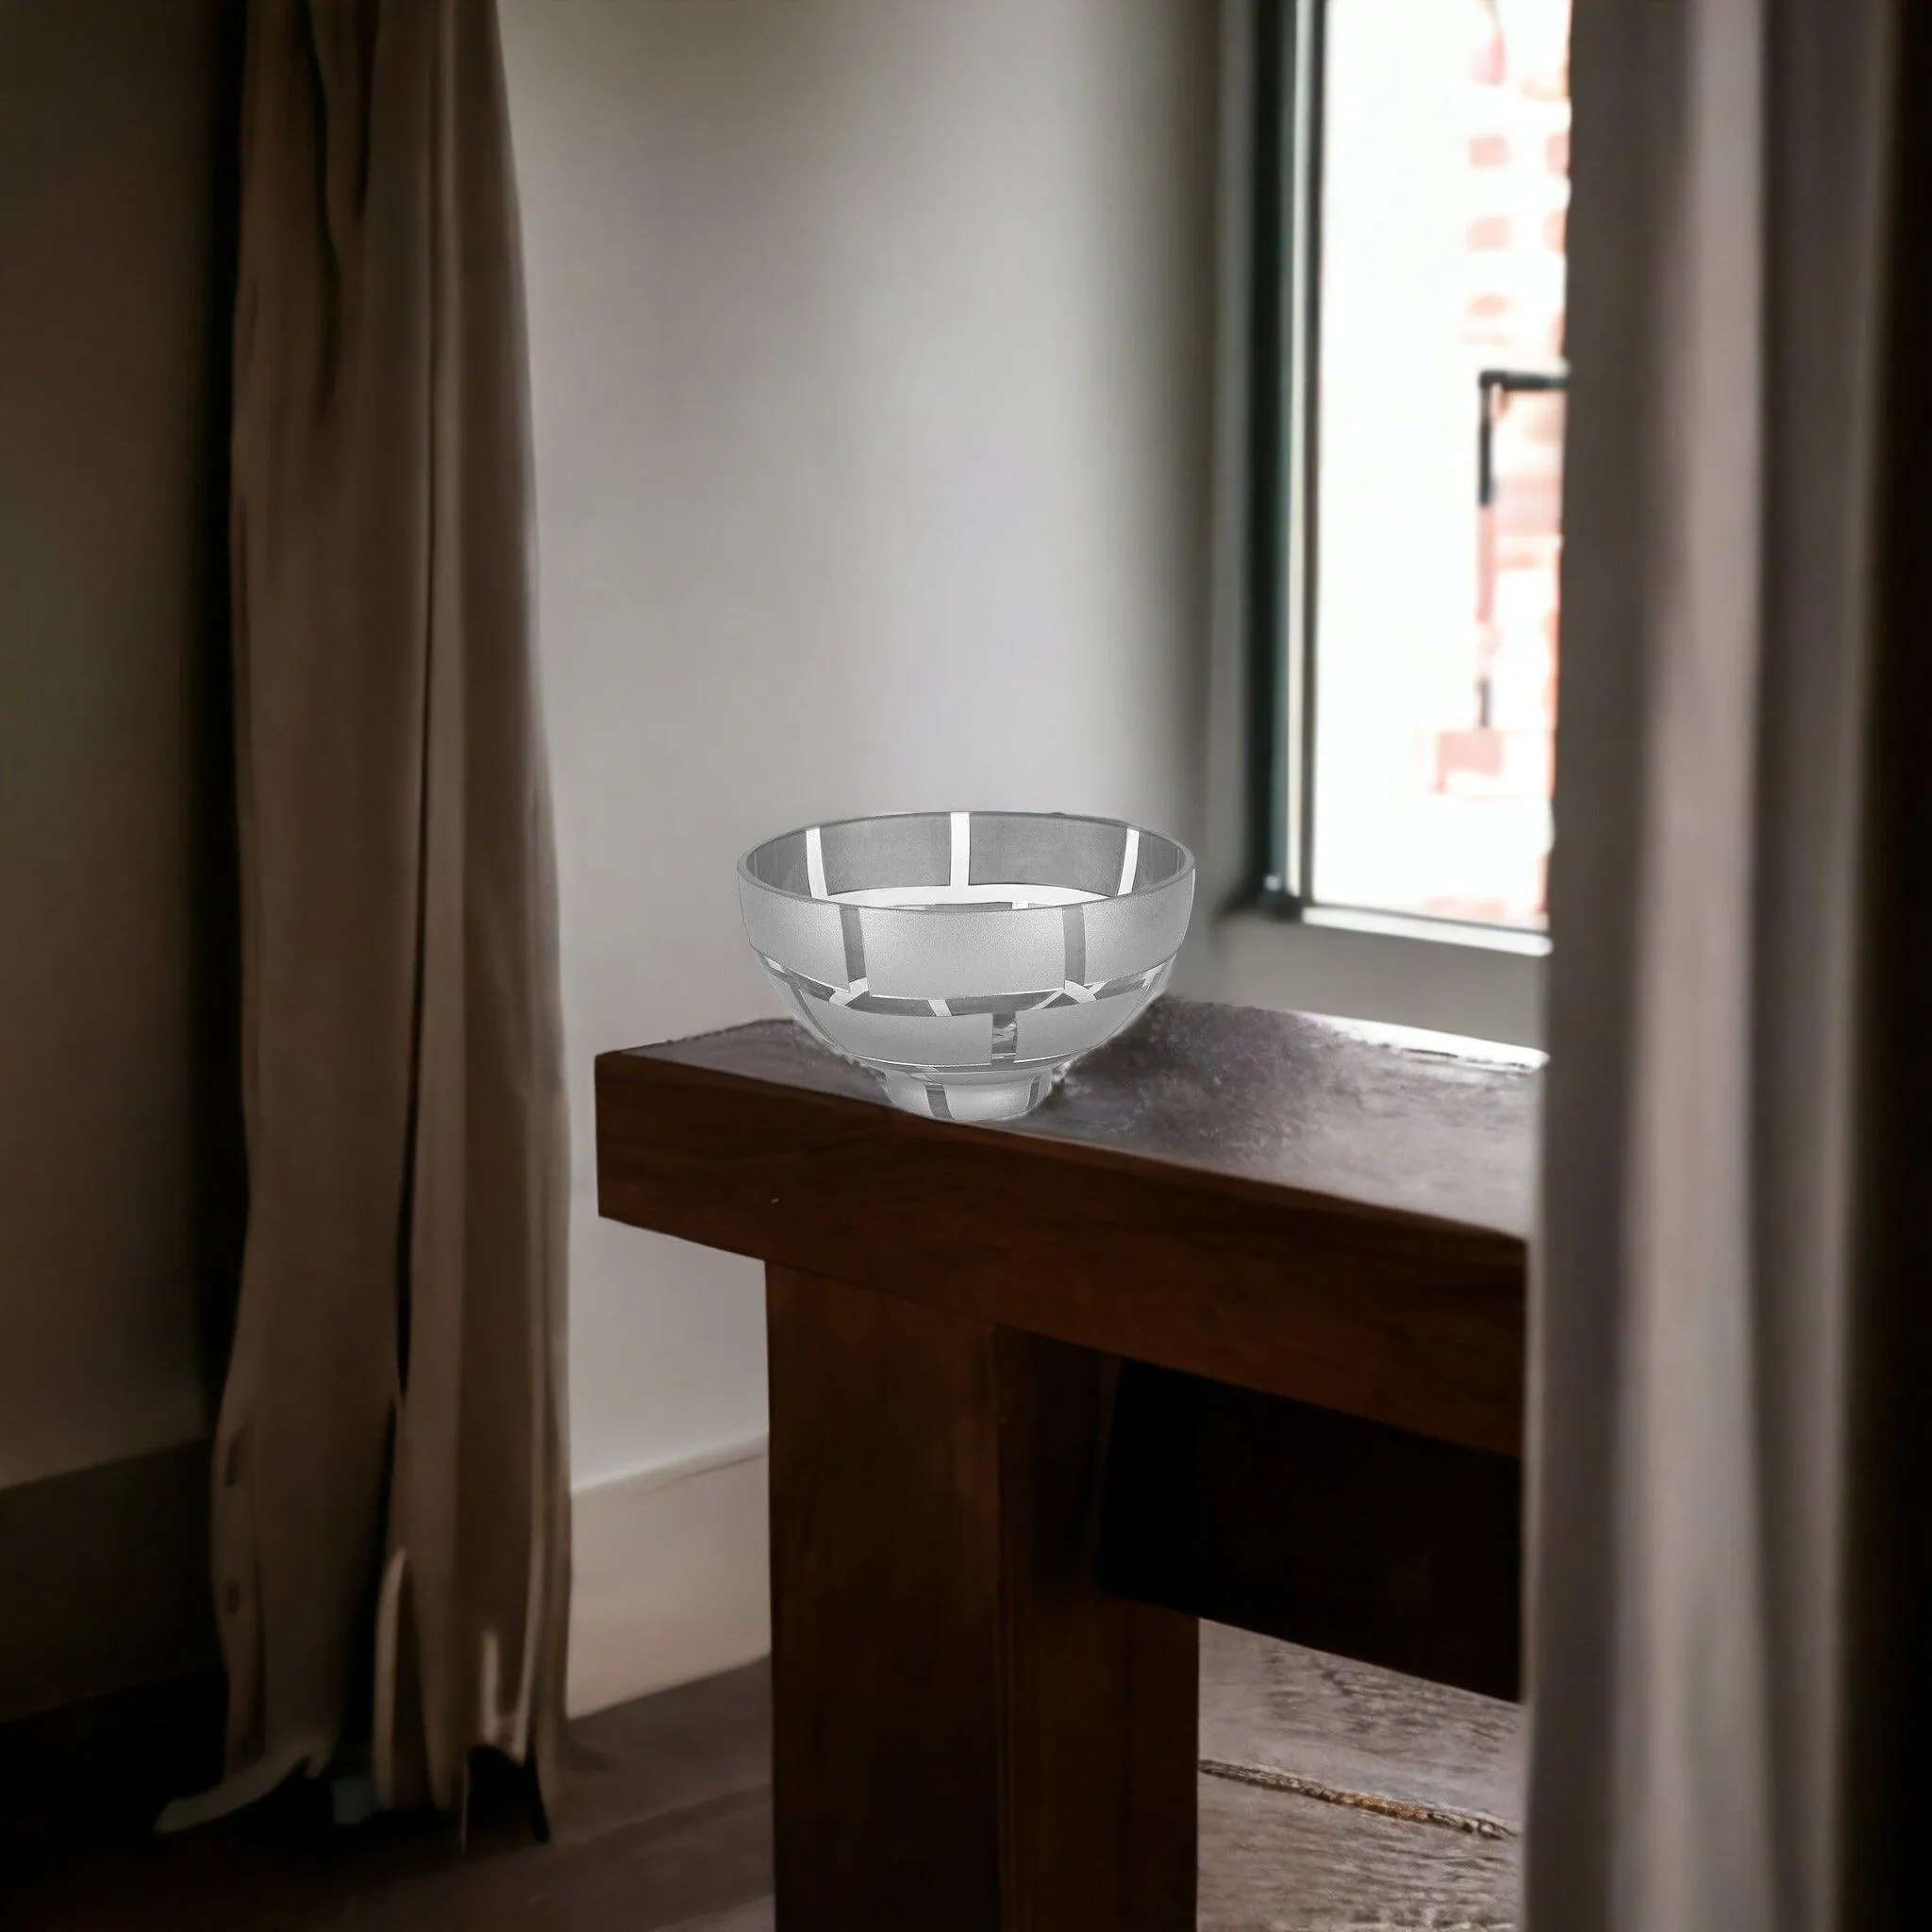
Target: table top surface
[
  {"x": 1286, "y": 1204},
  {"x": 1411, "y": 1125}
]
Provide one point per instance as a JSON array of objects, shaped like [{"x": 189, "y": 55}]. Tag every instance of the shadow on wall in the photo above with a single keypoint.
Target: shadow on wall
[{"x": 120, "y": 1174}]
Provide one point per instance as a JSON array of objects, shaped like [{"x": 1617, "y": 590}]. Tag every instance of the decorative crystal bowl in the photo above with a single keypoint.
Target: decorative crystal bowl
[{"x": 967, "y": 957}]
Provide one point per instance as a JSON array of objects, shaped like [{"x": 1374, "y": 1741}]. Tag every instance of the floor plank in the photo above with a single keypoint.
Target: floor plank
[
  {"x": 761, "y": 1915},
  {"x": 1347, "y": 1724},
  {"x": 667, "y": 1824},
  {"x": 713, "y": 1859},
  {"x": 1274, "y": 1863},
  {"x": 683, "y": 1747}
]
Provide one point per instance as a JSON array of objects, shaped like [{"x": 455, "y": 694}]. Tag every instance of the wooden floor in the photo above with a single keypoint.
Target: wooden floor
[{"x": 1334, "y": 1798}]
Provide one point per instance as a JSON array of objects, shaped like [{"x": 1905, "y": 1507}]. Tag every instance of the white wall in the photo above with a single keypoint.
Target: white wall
[{"x": 871, "y": 345}]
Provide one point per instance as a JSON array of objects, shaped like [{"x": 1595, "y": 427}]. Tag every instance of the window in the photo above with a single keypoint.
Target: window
[{"x": 1409, "y": 291}]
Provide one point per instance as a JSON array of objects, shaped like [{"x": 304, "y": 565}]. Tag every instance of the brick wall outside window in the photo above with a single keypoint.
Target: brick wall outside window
[
  {"x": 1444, "y": 198},
  {"x": 1519, "y": 194}
]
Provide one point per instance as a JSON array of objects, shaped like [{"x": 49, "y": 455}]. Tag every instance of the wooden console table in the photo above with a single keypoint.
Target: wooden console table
[{"x": 1232, "y": 1326}]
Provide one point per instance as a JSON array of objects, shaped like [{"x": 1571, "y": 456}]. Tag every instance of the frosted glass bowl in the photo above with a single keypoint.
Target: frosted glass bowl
[{"x": 967, "y": 957}]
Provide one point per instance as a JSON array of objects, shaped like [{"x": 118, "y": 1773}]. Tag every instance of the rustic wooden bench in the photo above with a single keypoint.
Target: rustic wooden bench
[{"x": 1233, "y": 1326}]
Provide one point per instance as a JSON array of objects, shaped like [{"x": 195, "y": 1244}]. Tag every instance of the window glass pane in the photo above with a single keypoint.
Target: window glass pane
[{"x": 1444, "y": 186}]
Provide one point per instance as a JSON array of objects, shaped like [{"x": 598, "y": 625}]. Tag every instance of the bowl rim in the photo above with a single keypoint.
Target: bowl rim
[{"x": 747, "y": 877}]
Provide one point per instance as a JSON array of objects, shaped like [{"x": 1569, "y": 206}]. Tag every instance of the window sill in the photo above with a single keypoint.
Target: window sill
[
  {"x": 1439, "y": 932},
  {"x": 1481, "y": 982}
]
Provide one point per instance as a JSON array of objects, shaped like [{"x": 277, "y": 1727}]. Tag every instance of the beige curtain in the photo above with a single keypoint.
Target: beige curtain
[
  {"x": 1732, "y": 1511},
  {"x": 391, "y": 1527}
]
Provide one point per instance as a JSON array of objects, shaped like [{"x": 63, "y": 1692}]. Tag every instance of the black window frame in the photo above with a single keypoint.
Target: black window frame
[{"x": 1284, "y": 323}]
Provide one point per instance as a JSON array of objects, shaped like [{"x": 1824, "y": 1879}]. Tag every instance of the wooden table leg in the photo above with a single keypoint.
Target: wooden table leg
[{"x": 966, "y": 1733}]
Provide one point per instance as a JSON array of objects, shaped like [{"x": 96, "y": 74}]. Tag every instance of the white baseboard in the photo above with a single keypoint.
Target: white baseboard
[{"x": 670, "y": 1577}]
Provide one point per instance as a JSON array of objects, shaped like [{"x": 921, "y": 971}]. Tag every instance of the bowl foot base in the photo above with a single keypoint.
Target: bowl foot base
[{"x": 968, "y": 1100}]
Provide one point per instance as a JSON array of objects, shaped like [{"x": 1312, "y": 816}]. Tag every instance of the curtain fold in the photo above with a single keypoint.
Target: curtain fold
[
  {"x": 1729, "y": 1515},
  {"x": 390, "y": 1494}
]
